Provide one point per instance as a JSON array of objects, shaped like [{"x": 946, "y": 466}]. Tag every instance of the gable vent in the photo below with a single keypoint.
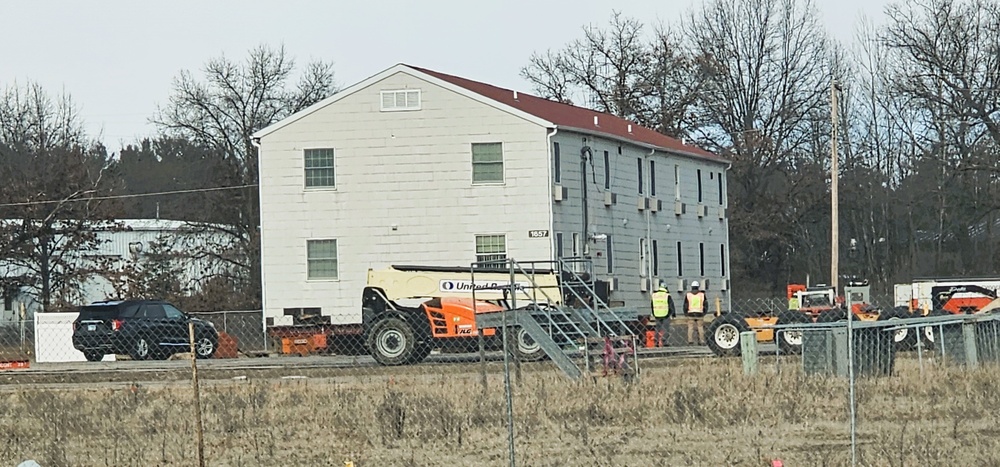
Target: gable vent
[{"x": 403, "y": 99}]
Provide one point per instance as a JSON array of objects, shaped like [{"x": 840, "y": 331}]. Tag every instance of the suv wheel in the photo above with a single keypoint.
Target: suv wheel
[
  {"x": 94, "y": 356},
  {"x": 204, "y": 347},
  {"x": 141, "y": 349}
]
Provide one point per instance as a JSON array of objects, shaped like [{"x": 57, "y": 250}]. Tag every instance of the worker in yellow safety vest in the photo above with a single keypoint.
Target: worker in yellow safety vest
[
  {"x": 694, "y": 310},
  {"x": 663, "y": 310}
]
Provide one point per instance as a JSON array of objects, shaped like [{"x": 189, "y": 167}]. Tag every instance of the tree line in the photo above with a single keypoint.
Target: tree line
[
  {"x": 752, "y": 80},
  {"x": 61, "y": 186}
]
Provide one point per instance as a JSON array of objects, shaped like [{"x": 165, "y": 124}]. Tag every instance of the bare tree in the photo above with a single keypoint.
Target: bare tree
[
  {"x": 766, "y": 66},
  {"x": 619, "y": 70},
  {"x": 947, "y": 66},
  {"x": 221, "y": 112},
  {"x": 51, "y": 206}
]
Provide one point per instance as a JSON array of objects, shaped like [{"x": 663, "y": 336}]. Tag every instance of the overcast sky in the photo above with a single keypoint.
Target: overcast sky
[{"x": 117, "y": 58}]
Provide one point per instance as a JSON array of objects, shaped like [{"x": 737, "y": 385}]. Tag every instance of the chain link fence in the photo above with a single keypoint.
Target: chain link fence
[{"x": 883, "y": 389}]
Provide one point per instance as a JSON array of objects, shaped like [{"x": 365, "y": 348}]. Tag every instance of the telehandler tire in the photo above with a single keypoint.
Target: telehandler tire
[
  {"x": 905, "y": 338},
  {"x": 523, "y": 346},
  {"x": 790, "y": 340},
  {"x": 393, "y": 342},
  {"x": 928, "y": 333},
  {"x": 723, "y": 334}
]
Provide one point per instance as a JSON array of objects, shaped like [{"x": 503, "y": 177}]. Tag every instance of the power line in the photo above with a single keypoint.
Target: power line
[{"x": 136, "y": 195}]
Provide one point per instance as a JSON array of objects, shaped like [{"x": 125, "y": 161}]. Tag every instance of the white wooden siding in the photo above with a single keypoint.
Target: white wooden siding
[{"x": 404, "y": 192}]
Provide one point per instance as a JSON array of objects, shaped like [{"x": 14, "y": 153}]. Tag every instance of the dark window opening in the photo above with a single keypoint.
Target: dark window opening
[
  {"x": 640, "y": 174},
  {"x": 607, "y": 171},
  {"x": 701, "y": 257},
  {"x": 652, "y": 179},
  {"x": 680, "y": 262},
  {"x": 699, "y": 185},
  {"x": 722, "y": 258},
  {"x": 656, "y": 260},
  {"x": 611, "y": 258},
  {"x": 557, "y": 174}
]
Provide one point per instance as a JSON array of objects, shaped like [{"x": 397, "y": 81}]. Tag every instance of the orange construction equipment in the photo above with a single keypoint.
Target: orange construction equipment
[
  {"x": 228, "y": 347},
  {"x": 303, "y": 345}
]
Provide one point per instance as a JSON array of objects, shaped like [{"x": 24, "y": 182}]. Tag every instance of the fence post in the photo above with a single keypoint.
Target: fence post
[
  {"x": 748, "y": 344},
  {"x": 199, "y": 433},
  {"x": 971, "y": 352}
]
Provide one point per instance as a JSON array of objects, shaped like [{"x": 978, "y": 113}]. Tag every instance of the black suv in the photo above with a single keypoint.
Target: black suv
[{"x": 142, "y": 329}]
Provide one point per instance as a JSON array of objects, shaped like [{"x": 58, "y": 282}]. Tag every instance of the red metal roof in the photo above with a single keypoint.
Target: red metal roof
[{"x": 573, "y": 117}]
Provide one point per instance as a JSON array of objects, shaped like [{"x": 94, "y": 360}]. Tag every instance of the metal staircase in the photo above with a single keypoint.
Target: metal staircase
[{"x": 575, "y": 328}]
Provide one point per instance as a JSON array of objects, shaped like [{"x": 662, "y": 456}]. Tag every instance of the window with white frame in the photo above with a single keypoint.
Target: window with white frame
[
  {"x": 401, "y": 99},
  {"x": 319, "y": 168},
  {"x": 487, "y": 163},
  {"x": 491, "y": 248},
  {"x": 321, "y": 256}
]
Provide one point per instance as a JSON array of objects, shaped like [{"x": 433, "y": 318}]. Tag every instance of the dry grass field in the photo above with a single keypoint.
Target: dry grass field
[{"x": 681, "y": 412}]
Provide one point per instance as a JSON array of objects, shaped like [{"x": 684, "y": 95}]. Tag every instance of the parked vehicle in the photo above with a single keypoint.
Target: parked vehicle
[{"x": 142, "y": 329}]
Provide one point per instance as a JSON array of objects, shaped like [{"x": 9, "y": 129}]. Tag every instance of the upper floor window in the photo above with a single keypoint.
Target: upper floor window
[
  {"x": 699, "y": 185},
  {"x": 487, "y": 163},
  {"x": 652, "y": 178},
  {"x": 403, "y": 99},
  {"x": 607, "y": 171},
  {"x": 319, "y": 168},
  {"x": 722, "y": 192},
  {"x": 639, "y": 173},
  {"x": 557, "y": 170},
  {"x": 677, "y": 182}
]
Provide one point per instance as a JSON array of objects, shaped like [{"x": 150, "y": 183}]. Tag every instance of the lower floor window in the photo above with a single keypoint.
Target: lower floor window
[
  {"x": 491, "y": 248},
  {"x": 322, "y": 259}
]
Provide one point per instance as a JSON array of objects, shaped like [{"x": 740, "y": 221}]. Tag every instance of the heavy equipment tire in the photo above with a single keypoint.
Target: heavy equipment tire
[
  {"x": 927, "y": 332},
  {"x": 141, "y": 349},
  {"x": 392, "y": 342},
  {"x": 94, "y": 356},
  {"x": 723, "y": 334},
  {"x": 905, "y": 338},
  {"x": 832, "y": 316},
  {"x": 790, "y": 341},
  {"x": 523, "y": 346}
]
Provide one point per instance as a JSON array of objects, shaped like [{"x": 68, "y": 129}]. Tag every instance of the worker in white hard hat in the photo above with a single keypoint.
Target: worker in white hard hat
[
  {"x": 694, "y": 310},
  {"x": 663, "y": 310}
]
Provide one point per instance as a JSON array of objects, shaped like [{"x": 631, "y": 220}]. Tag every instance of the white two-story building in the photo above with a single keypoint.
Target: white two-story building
[{"x": 416, "y": 167}]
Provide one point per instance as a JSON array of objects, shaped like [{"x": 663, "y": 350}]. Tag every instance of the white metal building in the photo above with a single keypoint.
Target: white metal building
[
  {"x": 413, "y": 166},
  {"x": 126, "y": 243}
]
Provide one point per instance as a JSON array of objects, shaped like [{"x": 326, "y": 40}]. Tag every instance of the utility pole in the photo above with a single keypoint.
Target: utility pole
[{"x": 834, "y": 175}]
